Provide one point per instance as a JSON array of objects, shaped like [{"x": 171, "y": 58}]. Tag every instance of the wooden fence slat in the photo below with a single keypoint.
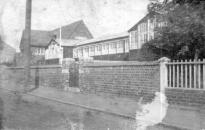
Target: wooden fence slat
[
  {"x": 204, "y": 74},
  {"x": 182, "y": 76},
  {"x": 195, "y": 75},
  {"x": 174, "y": 83},
  {"x": 170, "y": 74},
  {"x": 199, "y": 76},
  {"x": 190, "y": 75},
  {"x": 177, "y": 75},
  {"x": 185, "y": 76}
]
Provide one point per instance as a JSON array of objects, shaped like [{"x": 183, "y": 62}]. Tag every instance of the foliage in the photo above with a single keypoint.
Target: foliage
[{"x": 184, "y": 34}]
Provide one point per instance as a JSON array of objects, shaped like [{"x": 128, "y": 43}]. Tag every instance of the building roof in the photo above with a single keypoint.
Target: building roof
[
  {"x": 68, "y": 30},
  {"x": 104, "y": 38},
  {"x": 39, "y": 37},
  {"x": 42, "y": 38},
  {"x": 142, "y": 20}
]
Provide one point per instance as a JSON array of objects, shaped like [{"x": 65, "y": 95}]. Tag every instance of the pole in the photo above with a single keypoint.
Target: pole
[
  {"x": 27, "y": 52},
  {"x": 61, "y": 49}
]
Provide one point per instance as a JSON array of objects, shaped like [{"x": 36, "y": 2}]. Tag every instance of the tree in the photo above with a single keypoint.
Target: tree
[{"x": 184, "y": 35}]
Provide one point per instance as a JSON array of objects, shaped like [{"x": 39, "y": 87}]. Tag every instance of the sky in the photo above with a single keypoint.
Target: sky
[{"x": 102, "y": 17}]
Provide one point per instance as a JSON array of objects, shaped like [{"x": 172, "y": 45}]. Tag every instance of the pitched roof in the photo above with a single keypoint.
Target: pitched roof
[
  {"x": 68, "y": 30},
  {"x": 38, "y": 37},
  {"x": 42, "y": 38},
  {"x": 142, "y": 20},
  {"x": 104, "y": 38}
]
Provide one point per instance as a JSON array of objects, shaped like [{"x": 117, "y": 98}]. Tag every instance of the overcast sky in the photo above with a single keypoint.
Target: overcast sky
[{"x": 101, "y": 16}]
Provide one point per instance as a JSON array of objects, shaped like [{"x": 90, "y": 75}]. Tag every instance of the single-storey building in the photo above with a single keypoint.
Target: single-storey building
[
  {"x": 111, "y": 47},
  {"x": 124, "y": 46}
]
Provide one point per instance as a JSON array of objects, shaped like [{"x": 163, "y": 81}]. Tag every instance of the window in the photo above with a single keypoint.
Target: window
[
  {"x": 126, "y": 45},
  {"x": 118, "y": 45},
  {"x": 86, "y": 50},
  {"x": 99, "y": 47},
  {"x": 132, "y": 39},
  {"x": 80, "y": 52},
  {"x": 136, "y": 39},
  {"x": 92, "y": 49},
  {"x": 114, "y": 45},
  {"x": 74, "y": 53},
  {"x": 104, "y": 46}
]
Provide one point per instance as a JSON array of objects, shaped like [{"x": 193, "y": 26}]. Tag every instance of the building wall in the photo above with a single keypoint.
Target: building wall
[
  {"x": 40, "y": 51},
  {"x": 54, "y": 51},
  {"x": 67, "y": 52},
  {"x": 145, "y": 30},
  {"x": 142, "y": 33},
  {"x": 102, "y": 49}
]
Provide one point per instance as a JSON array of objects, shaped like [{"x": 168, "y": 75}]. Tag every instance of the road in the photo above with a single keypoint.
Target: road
[{"x": 32, "y": 113}]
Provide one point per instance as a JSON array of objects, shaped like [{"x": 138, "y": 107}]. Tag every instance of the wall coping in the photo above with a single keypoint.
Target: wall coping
[
  {"x": 40, "y": 67},
  {"x": 117, "y": 63}
]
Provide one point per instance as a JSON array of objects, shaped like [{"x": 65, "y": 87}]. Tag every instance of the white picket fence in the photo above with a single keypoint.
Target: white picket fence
[{"x": 187, "y": 74}]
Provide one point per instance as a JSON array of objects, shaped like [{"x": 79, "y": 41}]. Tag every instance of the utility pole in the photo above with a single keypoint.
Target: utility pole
[{"x": 27, "y": 51}]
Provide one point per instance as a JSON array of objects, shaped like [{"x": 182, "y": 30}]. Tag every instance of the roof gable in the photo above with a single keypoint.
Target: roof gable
[
  {"x": 72, "y": 30},
  {"x": 149, "y": 15},
  {"x": 38, "y": 38}
]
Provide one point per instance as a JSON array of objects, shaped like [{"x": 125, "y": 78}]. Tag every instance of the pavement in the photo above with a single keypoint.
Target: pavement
[{"x": 178, "y": 117}]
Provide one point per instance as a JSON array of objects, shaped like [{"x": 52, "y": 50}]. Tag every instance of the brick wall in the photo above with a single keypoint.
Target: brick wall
[
  {"x": 118, "y": 78},
  {"x": 186, "y": 97},
  {"x": 48, "y": 76},
  {"x": 130, "y": 79}
]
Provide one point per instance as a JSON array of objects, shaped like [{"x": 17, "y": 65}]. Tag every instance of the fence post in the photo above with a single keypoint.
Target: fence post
[{"x": 163, "y": 73}]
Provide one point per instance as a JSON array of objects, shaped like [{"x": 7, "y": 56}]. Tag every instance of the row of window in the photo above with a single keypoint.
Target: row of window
[
  {"x": 112, "y": 47},
  {"x": 144, "y": 33},
  {"x": 39, "y": 51}
]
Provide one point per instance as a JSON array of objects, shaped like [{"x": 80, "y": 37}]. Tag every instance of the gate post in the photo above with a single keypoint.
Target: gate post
[{"x": 163, "y": 73}]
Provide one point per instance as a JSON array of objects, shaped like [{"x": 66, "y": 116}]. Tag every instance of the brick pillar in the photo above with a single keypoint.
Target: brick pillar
[
  {"x": 163, "y": 82},
  {"x": 163, "y": 73}
]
